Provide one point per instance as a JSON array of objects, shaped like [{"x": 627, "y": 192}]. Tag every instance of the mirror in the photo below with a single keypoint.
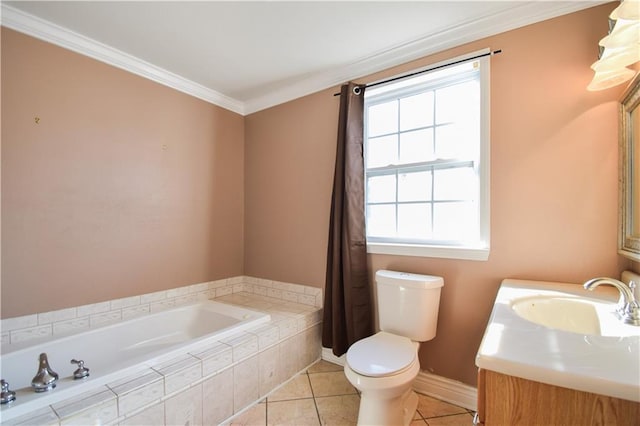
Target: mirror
[{"x": 629, "y": 228}]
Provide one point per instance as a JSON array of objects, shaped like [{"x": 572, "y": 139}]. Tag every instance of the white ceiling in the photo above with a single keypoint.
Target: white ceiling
[{"x": 247, "y": 56}]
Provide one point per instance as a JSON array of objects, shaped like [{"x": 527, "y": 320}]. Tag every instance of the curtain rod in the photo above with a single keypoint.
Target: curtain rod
[{"x": 448, "y": 64}]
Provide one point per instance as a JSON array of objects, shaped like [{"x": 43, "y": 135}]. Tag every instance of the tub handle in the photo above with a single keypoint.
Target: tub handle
[
  {"x": 7, "y": 395},
  {"x": 82, "y": 371}
]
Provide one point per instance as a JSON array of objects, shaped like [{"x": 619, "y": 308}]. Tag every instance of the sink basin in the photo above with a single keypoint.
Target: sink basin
[
  {"x": 562, "y": 335},
  {"x": 575, "y": 314}
]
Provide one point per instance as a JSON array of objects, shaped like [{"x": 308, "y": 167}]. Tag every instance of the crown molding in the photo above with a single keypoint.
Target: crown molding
[
  {"x": 522, "y": 14},
  {"x": 47, "y": 31}
]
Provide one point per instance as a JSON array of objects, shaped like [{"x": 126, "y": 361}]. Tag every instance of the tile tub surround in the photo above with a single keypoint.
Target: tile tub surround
[
  {"x": 81, "y": 318},
  {"x": 208, "y": 384}
]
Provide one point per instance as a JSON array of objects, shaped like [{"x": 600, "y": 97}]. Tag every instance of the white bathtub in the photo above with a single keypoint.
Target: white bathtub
[{"x": 115, "y": 351}]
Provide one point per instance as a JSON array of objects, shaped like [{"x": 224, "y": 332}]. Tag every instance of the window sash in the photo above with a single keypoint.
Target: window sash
[
  {"x": 431, "y": 201},
  {"x": 439, "y": 164},
  {"x": 472, "y": 160}
]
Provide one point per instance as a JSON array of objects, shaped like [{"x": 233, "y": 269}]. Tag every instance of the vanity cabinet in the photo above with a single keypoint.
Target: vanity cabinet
[{"x": 508, "y": 400}]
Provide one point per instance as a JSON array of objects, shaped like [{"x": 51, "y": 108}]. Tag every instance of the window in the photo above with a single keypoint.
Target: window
[{"x": 426, "y": 163}]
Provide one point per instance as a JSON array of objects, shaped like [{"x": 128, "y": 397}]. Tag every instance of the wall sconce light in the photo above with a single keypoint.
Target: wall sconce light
[{"x": 619, "y": 49}]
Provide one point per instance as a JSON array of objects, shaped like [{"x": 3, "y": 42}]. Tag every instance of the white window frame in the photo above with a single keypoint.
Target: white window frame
[{"x": 479, "y": 251}]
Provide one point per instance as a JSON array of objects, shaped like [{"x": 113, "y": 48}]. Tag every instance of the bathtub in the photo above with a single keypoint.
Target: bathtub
[{"x": 118, "y": 350}]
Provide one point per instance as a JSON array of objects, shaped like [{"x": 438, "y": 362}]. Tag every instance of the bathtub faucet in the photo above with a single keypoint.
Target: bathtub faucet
[
  {"x": 6, "y": 395},
  {"x": 628, "y": 309},
  {"x": 46, "y": 378},
  {"x": 82, "y": 371}
]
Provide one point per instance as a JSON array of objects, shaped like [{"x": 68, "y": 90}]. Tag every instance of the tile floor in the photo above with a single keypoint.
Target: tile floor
[{"x": 323, "y": 396}]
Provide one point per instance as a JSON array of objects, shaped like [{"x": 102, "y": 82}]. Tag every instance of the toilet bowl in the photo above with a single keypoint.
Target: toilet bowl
[{"x": 383, "y": 366}]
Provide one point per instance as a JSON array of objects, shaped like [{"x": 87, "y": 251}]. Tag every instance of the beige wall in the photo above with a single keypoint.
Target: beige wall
[
  {"x": 123, "y": 187},
  {"x": 289, "y": 161},
  {"x": 553, "y": 182}
]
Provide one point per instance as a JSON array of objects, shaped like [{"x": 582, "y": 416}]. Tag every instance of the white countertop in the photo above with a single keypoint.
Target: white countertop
[{"x": 515, "y": 346}]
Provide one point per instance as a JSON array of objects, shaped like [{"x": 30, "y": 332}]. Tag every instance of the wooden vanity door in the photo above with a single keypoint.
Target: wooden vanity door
[{"x": 508, "y": 400}]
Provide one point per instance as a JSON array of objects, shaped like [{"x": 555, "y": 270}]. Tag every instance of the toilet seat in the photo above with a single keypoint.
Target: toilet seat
[{"x": 380, "y": 355}]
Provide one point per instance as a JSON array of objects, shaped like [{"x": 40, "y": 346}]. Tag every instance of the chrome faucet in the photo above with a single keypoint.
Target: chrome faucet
[
  {"x": 628, "y": 309},
  {"x": 82, "y": 371},
  {"x": 6, "y": 395},
  {"x": 46, "y": 378}
]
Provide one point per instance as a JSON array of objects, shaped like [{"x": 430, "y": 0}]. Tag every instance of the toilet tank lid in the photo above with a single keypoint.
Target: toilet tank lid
[{"x": 409, "y": 280}]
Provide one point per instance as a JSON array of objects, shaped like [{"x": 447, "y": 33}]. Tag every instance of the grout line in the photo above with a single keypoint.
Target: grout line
[
  {"x": 445, "y": 415},
  {"x": 293, "y": 399},
  {"x": 315, "y": 403},
  {"x": 313, "y": 395},
  {"x": 336, "y": 394},
  {"x": 266, "y": 411}
]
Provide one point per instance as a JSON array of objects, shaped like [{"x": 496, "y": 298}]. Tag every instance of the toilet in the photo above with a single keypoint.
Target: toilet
[{"x": 382, "y": 367}]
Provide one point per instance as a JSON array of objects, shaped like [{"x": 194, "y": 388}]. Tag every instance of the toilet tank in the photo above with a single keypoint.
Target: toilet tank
[{"x": 408, "y": 304}]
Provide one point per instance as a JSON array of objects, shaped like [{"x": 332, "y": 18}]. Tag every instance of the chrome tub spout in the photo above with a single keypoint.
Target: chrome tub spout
[{"x": 46, "y": 378}]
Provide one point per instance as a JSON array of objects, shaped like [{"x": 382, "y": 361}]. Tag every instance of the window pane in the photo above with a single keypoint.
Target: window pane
[
  {"x": 454, "y": 141},
  {"x": 416, "y": 111},
  {"x": 416, "y": 146},
  {"x": 381, "y": 220},
  {"x": 455, "y": 184},
  {"x": 455, "y": 221},
  {"x": 454, "y": 101},
  {"x": 414, "y": 220},
  {"x": 382, "y": 151},
  {"x": 381, "y": 189},
  {"x": 414, "y": 186},
  {"x": 383, "y": 118}
]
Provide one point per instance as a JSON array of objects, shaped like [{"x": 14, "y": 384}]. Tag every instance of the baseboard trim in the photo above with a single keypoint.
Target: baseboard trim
[
  {"x": 439, "y": 387},
  {"x": 328, "y": 355},
  {"x": 448, "y": 390}
]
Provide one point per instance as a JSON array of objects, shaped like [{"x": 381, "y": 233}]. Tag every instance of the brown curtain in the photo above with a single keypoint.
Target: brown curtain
[{"x": 348, "y": 308}]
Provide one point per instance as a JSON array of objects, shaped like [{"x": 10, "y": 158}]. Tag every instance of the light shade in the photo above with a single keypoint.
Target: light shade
[
  {"x": 624, "y": 33},
  {"x": 628, "y": 9},
  {"x": 613, "y": 59},
  {"x": 619, "y": 49},
  {"x": 606, "y": 79}
]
